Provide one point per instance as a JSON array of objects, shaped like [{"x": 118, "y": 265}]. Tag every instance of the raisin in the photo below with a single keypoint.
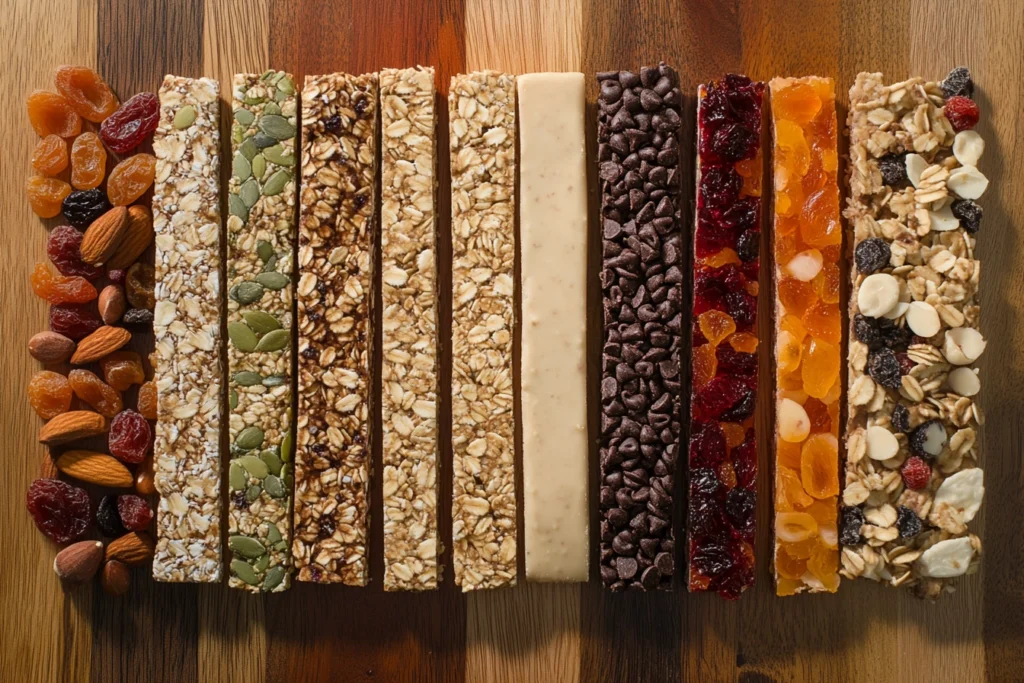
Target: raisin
[
  {"x": 872, "y": 254},
  {"x": 894, "y": 337},
  {"x": 969, "y": 214},
  {"x": 134, "y": 511},
  {"x": 49, "y": 394},
  {"x": 46, "y": 194},
  {"x": 139, "y": 284},
  {"x": 720, "y": 186},
  {"x": 74, "y": 321},
  {"x": 86, "y": 92},
  {"x": 131, "y": 123},
  {"x": 866, "y": 331},
  {"x": 894, "y": 169},
  {"x": 51, "y": 114},
  {"x": 50, "y": 156},
  {"x": 703, "y": 480},
  {"x": 61, "y": 289},
  {"x": 117, "y": 276},
  {"x": 907, "y": 522},
  {"x": 108, "y": 521},
  {"x": 739, "y": 507},
  {"x": 62, "y": 246},
  {"x": 884, "y": 368},
  {"x": 707, "y": 445},
  {"x": 137, "y": 316},
  {"x": 83, "y": 207},
  {"x": 332, "y": 124},
  {"x": 122, "y": 369},
  {"x": 130, "y": 179},
  {"x": 748, "y": 246},
  {"x": 742, "y": 307},
  {"x": 851, "y": 521},
  {"x": 105, "y": 399},
  {"x": 60, "y": 510},
  {"x": 744, "y": 460},
  {"x": 901, "y": 418},
  {"x": 958, "y": 82},
  {"x": 88, "y": 161},
  {"x": 129, "y": 436},
  {"x": 147, "y": 400}
]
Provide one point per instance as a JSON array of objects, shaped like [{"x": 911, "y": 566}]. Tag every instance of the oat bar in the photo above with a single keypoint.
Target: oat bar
[
  {"x": 912, "y": 476},
  {"x": 638, "y": 130},
  {"x": 481, "y": 110},
  {"x": 335, "y": 296},
  {"x": 186, "y": 327},
  {"x": 808, "y": 334},
  {"x": 408, "y": 328},
  {"x": 261, "y": 241}
]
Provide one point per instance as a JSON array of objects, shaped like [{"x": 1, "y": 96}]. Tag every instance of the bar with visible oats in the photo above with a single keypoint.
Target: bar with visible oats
[
  {"x": 186, "y": 327},
  {"x": 335, "y": 297},
  {"x": 482, "y": 126}
]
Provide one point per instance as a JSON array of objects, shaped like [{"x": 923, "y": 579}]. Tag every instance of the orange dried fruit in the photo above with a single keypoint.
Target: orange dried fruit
[
  {"x": 791, "y": 382},
  {"x": 716, "y": 326},
  {"x": 824, "y": 511},
  {"x": 833, "y": 415},
  {"x": 727, "y": 474},
  {"x": 705, "y": 365},
  {"x": 824, "y": 322},
  {"x": 819, "y": 218},
  {"x": 61, "y": 289},
  {"x": 50, "y": 156},
  {"x": 130, "y": 179},
  {"x": 795, "y": 295},
  {"x": 49, "y": 394},
  {"x": 793, "y": 527},
  {"x": 51, "y": 114},
  {"x": 819, "y": 367},
  {"x": 88, "y": 161},
  {"x": 789, "y": 489},
  {"x": 824, "y": 565},
  {"x": 789, "y": 567},
  {"x": 105, "y": 399},
  {"x": 792, "y": 152},
  {"x": 798, "y": 102},
  {"x": 815, "y": 177},
  {"x": 46, "y": 194},
  {"x": 721, "y": 258},
  {"x": 826, "y": 283},
  {"x": 147, "y": 400},
  {"x": 744, "y": 342},
  {"x": 787, "y": 454},
  {"x": 122, "y": 369},
  {"x": 819, "y": 465},
  {"x": 793, "y": 325},
  {"x": 784, "y": 586},
  {"x": 752, "y": 287},
  {"x": 821, "y": 420},
  {"x": 802, "y": 549},
  {"x": 86, "y": 92},
  {"x": 734, "y": 433}
]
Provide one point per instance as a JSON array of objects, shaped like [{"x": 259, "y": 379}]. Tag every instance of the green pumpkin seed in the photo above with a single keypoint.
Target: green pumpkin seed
[
  {"x": 272, "y": 109},
  {"x": 246, "y": 547},
  {"x": 273, "y": 534},
  {"x": 246, "y": 293},
  {"x": 274, "y": 341},
  {"x": 273, "y": 281},
  {"x": 270, "y": 264},
  {"x": 276, "y": 126},
  {"x": 237, "y": 134},
  {"x": 253, "y": 99},
  {"x": 259, "y": 166},
  {"x": 282, "y": 546},
  {"x": 274, "y": 380},
  {"x": 276, "y": 183},
  {"x": 249, "y": 438},
  {"x": 237, "y": 207},
  {"x": 254, "y": 466},
  {"x": 240, "y": 167},
  {"x": 233, "y": 399},
  {"x": 244, "y": 117},
  {"x": 273, "y": 577},
  {"x": 286, "y": 446},
  {"x": 286, "y": 86},
  {"x": 274, "y": 486},
  {"x": 242, "y": 337},
  {"x": 262, "y": 140},
  {"x": 272, "y": 462},
  {"x": 286, "y": 474},
  {"x": 276, "y": 154},
  {"x": 261, "y": 564},
  {"x": 248, "y": 149},
  {"x": 253, "y": 492},
  {"x": 242, "y": 570},
  {"x": 249, "y": 192},
  {"x": 185, "y": 117},
  {"x": 237, "y": 477},
  {"x": 264, "y": 250},
  {"x": 261, "y": 323}
]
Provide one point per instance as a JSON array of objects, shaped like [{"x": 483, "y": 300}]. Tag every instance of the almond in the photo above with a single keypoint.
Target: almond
[
  {"x": 115, "y": 578},
  {"x": 95, "y": 468},
  {"x": 132, "y": 549},
  {"x": 103, "y": 236},
  {"x": 50, "y": 347},
  {"x": 78, "y": 562},
  {"x": 138, "y": 235},
  {"x": 76, "y": 424},
  {"x": 112, "y": 304},
  {"x": 100, "y": 343}
]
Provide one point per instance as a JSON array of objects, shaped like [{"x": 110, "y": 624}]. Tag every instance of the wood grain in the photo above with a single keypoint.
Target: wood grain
[{"x": 532, "y": 632}]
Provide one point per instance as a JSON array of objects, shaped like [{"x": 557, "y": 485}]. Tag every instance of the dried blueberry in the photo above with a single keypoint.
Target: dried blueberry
[
  {"x": 884, "y": 368},
  {"x": 907, "y": 522},
  {"x": 969, "y": 214},
  {"x": 712, "y": 559},
  {"x": 901, "y": 418},
  {"x": 739, "y": 506},
  {"x": 958, "y": 82},
  {"x": 332, "y": 124},
  {"x": 893, "y": 168},
  {"x": 867, "y": 332},
  {"x": 108, "y": 520},
  {"x": 732, "y": 141},
  {"x": 748, "y": 246},
  {"x": 872, "y": 254},
  {"x": 740, "y": 410},
  {"x": 82, "y": 207},
  {"x": 703, "y": 480},
  {"x": 928, "y": 439},
  {"x": 894, "y": 337},
  {"x": 852, "y": 521}
]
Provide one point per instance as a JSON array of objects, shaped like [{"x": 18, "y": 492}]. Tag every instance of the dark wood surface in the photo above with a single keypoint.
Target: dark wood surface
[{"x": 531, "y": 633}]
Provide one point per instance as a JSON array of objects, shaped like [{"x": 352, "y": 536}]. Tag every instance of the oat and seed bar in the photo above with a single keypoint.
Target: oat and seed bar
[
  {"x": 261, "y": 241},
  {"x": 186, "y": 327},
  {"x": 482, "y": 127},
  {"x": 912, "y": 476},
  {"x": 335, "y": 297},
  {"x": 408, "y": 328}
]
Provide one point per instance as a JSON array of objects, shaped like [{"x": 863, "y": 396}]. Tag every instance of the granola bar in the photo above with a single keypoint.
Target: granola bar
[
  {"x": 260, "y": 244},
  {"x": 482, "y": 136},
  {"x": 335, "y": 295},
  {"x": 408, "y": 329},
  {"x": 912, "y": 476},
  {"x": 186, "y": 327}
]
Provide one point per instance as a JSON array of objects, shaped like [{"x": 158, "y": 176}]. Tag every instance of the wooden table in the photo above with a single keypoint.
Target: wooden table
[{"x": 532, "y": 633}]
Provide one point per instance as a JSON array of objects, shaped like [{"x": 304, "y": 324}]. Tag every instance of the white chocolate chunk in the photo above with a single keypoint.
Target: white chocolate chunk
[
  {"x": 946, "y": 559},
  {"x": 942, "y": 218},
  {"x": 963, "y": 345},
  {"x": 878, "y": 294},
  {"x": 881, "y": 443},
  {"x": 963, "y": 492},
  {"x": 964, "y": 381},
  {"x": 896, "y": 311},
  {"x": 806, "y": 265},
  {"x": 968, "y": 147},
  {"x": 915, "y": 167},
  {"x": 923, "y": 319},
  {"x": 793, "y": 423},
  {"x": 967, "y": 182}
]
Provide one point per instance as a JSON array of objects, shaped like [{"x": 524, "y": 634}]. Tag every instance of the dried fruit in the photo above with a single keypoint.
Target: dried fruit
[
  {"x": 49, "y": 394},
  {"x": 718, "y": 396},
  {"x": 50, "y": 347},
  {"x": 145, "y": 482},
  {"x": 45, "y": 195},
  {"x": 916, "y": 473},
  {"x": 86, "y": 92},
  {"x": 852, "y": 520},
  {"x": 103, "y": 398},
  {"x": 94, "y": 468},
  {"x": 968, "y": 213},
  {"x": 134, "y": 511},
  {"x": 147, "y": 400},
  {"x": 71, "y": 426},
  {"x": 61, "y": 289},
  {"x": 872, "y": 254},
  {"x": 60, "y": 510},
  {"x": 103, "y": 236},
  {"x": 115, "y": 578},
  {"x": 78, "y": 563},
  {"x": 716, "y": 326},
  {"x": 133, "y": 549},
  {"x": 894, "y": 169},
  {"x": 130, "y": 179},
  {"x": 83, "y": 207},
  {"x": 129, "y": 437},
  {"x": 139, "y": 285},
  {"x": 127, "y": 127},
  {"x": 62, "y": 246},
  {"x": 137, "y": 316},
  {"x": 819, "y": 367},
  {"x": 958, "y": 82},
  {"x": 50, "y": 156},
  {"x": 819, "y": 465},
  {"x": 928, "y": 439},
  {"x": 74, "y": 321},
  {"x": 88, "y": 162},
  {"x": 884, "y": 368},
  {"x": 122, "y": 369},
  {"x": 51, "y": 114},
  {"x": 907, "y": 522},
  {"x": 901, "y": 418},
  {"x": 962, "y": 112},
  {"x": 108, "y": 520}
]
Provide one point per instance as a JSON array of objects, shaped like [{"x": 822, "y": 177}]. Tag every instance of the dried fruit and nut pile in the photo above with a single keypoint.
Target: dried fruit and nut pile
[
  {"x": 723, "y": 444},
  {"x": 99, "y": 287}
]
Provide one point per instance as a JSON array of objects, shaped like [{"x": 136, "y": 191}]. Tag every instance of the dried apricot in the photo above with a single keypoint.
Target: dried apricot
[
  {"x": 705, "y": 365},
  {"x": 46, "y": 194},
  {"x": 824, "y": 564},
  {"x": 122, "y": 369},
  {"x": 787, "y": 454},
  {"x": 819, "y": 465},
  {"x": 130, "y": 179},
  {"x": 797, "y": 102},
  {"x": 818, "y": 412},
  {"x": 60, "y": 289},
  {"x": 105, "y": 399},
  {"x": 50, "y": 156},
  {"x": 789, "y": 567},
  {"x": 788, "y": 350},
  {"x": 734, "y": 433},
  {"x": 147, "y": 400},
  {"x": 49, "y": 393},
  {"x": 784, "y": 586},
  {"x": 51, "y": 114},
  {"x": 795, "y": 295},
  {"x": 716, "y": 326},
  {"x": 793, "y": 325},
  {"x": 139, "y": 284},
  {"x": 820, "y": 367},
  {"x": 826, "y": 283},
  {"x": 819, "y": 219},
  {"x": 824, "y": 322},
  {"x": 721, "y": 258},
  {"x": 86, "y": 92},
  {"x": 88, "y": 161},
  {"x": 790, "y": 490}
]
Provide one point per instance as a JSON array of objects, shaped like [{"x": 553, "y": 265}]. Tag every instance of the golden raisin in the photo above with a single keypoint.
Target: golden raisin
[
  {"x": 130, "y": 179},
  {"x": 88, "y": 161},
  {"x": 51, "y": 114},
  {"x": 139, "y": 285},
  {"x": 147, "y": 400},
  {"x": 50, "y": 156},
  {"x": 49, "y": 394},
  {"x": 61, "y": 289},
  {"x": 86, "y": 92},
  {"x": 122, "y": 369},
  {"x": 46, "y": 194},
  {"x": 105, "y": 399}
]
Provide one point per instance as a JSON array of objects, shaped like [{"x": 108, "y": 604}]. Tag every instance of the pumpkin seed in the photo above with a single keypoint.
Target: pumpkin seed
[
  {"x": 274, "y": 486},
  {"x": 279, "y": 96},
  {"x": 249, "y": 192},
  {"x": 248, "y": 149},
  {"x": 253, "y": 492},
  {"x": 261, "y": 564},
  {"x": 247, "y": 378},
  {"x": 286, "y": 474},
  {"x": 276, "y": 183},
  {"x": 272, "y": 462},
  {"x": 244, "y": 117},
  {"x": 273, "y": 577},
  {"x": 264, "y": 250},
  {"x": 262, "y": 140},
  {"x": 273, "y": 281},
  {"x": 272, "y": 109},
  {"x": 261, "y": 322},
  {"x": 242, "y": 570},
  {"x": 237, "y": 477},
  {"x": 242, "y": 337},
  {"x": 286, "y": 446},
  {"x": 236, "y": 134},
  {"x": 237, "y": 207},
  {"x": 259, "y": 166},
  {"x": 273, "y": 533},
  {"x": 276, "y": 154},
  {"x": 253, "y": 99},
  {"x": 240, "y": 167},
  {"x": 276, "y": 126},
  {"x": 274, "y": 341},
  {"x": 274, "y": 380},
  {"x": 246, "y": 546},
  {"x": 249, "y": 438},
  {"x": 270, "y": 264},
  {"x": 185, "y": 117},
  {"x": 286, "y": 86},
  {"x": 233, "y": 399},
  {"x": 254, "y": 466},
  {"x": 246, "y": 293}
]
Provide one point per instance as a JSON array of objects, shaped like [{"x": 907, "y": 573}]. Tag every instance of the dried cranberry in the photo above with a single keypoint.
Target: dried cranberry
[
  {"x": 742, "y": 409},
  {"x": 108, "y": 520},
  {"x": 744, "y": 460},
  {"x": 906, "y": 364},
  {"x": 739, "y": 507},
  {"x": 720, "y": 185},
  {"x": 127, "y": 127},
  {"x": 733, "y": 362},
  {"x": 75, "y": 321},
  {"x": 117, "y": 276},
  {"x": 62, "y": 246},
  {"x": 134, "y": 512},
  {"x": 60, "y": 510},
  {"x": 731, "y": 142},
  {"x": 748, "y": 246},
  {"x": 82, "y": 207},
  {"x": 129, "y": 436},
  {"x": 713, "y": 559},
  {"x": 706, "y": 517},
  {"x": 707, "y": 444},
  {"x": 718, "y": 396},
  {"x": 916, "y": 473},
  {"x": 742, "y": 307},
  {"x": 962, "y": 112},
  {"x": 851, "y": 522}
]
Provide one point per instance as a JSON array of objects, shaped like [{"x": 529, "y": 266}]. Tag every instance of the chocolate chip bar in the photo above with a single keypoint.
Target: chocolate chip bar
[
  {"x": 186, "y": 327},
  {"x": 261, "y": 241},
  {"x": 912, "y": 476},
  {"x": 334, "y": 296},
  {"x": 641, "y": 283},
  {"x": 723, "y": 441},
  {"x": 409, "y": 328},
  {"x": 482, "y": 131}
]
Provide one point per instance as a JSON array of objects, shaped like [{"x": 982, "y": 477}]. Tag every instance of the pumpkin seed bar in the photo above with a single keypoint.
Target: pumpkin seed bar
[
  {"x": 186, "y": 327},
  {"x": 409, "y": 301},
  {"x": 261, "y": 239},
  {"x": 482, "y": 123},
  {"x": 335, "y": 295}
]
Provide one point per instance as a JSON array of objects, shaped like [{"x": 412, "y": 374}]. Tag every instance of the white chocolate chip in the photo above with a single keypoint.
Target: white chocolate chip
[
  {"x": 946, "y": 559},
  {"x": 967, "y": 182},
  {"x": 963, "y": 492},
  {"x": 968, "y": 147},
  {"x": 964, "y": 381},
  {"x": 942, "y": 219},
  {"x": 878, "y": 294},
  {"x": 923, "y": 319},
  {"x": 805, "y": 265},
  {"x": 881, "y": 443},
  {"x": 915, "y": 166},
  {"x": 963, "y": 345},
  {"x": 792, "y": 420}
]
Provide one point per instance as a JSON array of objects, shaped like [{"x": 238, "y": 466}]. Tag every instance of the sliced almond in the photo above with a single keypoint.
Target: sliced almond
[
  {"x": 881, "y": 443},
  {"x": 942, "y": 219},
  {"x": 923, "y": 319},
  {"x": 964, "y": 381},
  {"x": 915, "y": 167},
  {"x": 967, "y": 182},
  {"x": 968, "y": 147},
  {"x": 878, "y": 294},
  {"x": 963, "y": 345}
]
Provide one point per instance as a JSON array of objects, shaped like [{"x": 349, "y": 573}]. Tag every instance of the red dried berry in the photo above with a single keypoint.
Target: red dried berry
[
  {"x": 117, "y": 276},
  {"x": 134, "y": 512},
  {"x": 916, "y": 473},
  {"x": 127, "y": 127},
  {"x": 75, "y": 321},
  {"x": 60, "y": 510},
  {"x": 718, "y": 396},
  {"x": 906, "y": 364},
  {"x": 707, "y": 444},
  {"x": 62, "y": 246},
  {"x": 744, "y": 460},
  {"x": 129, "y": 436},
  {"x": 962, "y": 112}
]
